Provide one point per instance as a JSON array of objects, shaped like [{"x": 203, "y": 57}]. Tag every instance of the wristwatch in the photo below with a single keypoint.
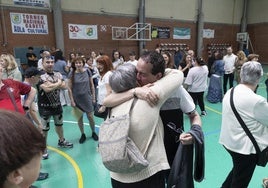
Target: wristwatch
[{"x": 25, "y": 108}]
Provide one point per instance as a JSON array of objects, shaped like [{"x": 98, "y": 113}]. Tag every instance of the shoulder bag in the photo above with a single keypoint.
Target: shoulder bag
[
  {"x": 262, "y": 156},
  {"x": 100, "y": 114},
  {"x": 118, "y": 152}
]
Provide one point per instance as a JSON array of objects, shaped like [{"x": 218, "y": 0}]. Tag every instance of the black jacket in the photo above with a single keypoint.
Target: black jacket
[{"x": 181, "y": 173}]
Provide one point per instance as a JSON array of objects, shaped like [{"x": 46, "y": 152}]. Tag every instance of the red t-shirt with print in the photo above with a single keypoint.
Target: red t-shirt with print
[{"x": 18, "y": 89}]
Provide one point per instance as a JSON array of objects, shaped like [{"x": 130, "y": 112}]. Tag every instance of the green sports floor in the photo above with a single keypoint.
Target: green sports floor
[{"x": 81, "y": 166}]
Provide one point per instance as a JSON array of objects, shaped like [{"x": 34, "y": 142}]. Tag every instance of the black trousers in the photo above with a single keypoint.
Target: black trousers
[
  {"x": 198, "y": 98},
  {"x": 170, "y": 137},
  {"x": 227, "y": 77},
  {"x": 155, "y": 181},
  {"x": 242, "y": 171}
]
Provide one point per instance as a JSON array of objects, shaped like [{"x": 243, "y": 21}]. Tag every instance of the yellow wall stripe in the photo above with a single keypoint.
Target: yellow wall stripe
[{"x": 74, "y": 164}]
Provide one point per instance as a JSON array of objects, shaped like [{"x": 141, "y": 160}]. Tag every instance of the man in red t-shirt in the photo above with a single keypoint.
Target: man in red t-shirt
[{"x": 10, "y": 94}]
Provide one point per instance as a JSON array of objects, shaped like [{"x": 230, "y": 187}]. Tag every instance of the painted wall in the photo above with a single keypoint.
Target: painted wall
[
  {"x": 227, "y": 11},
  {"x": 115, "y": 7},
  {"x": 221, "y": 16},
  {"x": 257, "y": 11},
  {"x": 216, "y": 11}
]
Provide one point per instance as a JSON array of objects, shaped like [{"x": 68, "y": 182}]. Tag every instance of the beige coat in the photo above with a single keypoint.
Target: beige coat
[{"x": 146, "y": 123}]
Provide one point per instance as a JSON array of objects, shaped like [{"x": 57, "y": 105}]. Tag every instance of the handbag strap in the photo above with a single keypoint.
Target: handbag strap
[
  {"x": 242, "y": 123},
  {"x": 10, "y": 93},
  {"x": 127, "y": 110}
]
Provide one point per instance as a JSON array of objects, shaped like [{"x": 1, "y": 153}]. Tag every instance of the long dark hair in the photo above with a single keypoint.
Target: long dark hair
[
  {"x": 170, "y": 63},
  {"x": 200, "y": 61}
]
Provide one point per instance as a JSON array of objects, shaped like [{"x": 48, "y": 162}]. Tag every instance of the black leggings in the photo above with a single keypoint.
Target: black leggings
[{"x": 198, "y": 98}]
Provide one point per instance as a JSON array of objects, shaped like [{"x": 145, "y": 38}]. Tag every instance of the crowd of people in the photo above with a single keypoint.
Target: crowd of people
[{"x": 166, "y": 85}]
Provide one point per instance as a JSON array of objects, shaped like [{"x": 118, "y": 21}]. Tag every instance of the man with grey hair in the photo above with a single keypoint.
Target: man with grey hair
[
  {"x": 251, "y": 73},
  {"x": 253, "y": 110}
]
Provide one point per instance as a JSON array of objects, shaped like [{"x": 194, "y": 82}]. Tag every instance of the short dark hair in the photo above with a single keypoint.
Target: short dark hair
[
  {"x": 156, "y": 59},
  {"x": 58, "y": 55},
  {"x": 132, "y": 53},
  {"x": 20, "y": 142},
  {"x": 32, "y": 71},
  {"x": 30, "y": 48}
]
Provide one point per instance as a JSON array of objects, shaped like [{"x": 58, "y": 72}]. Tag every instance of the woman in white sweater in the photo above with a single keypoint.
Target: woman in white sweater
[
  {"x": 253, "y": 110},
  {"x": 196, "y": 82},
  {"x": 145, "y": 122}
]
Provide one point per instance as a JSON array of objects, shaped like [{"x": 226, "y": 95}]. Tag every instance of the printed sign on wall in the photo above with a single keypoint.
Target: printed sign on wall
[
  {"x": 33, "y": 3},
  {"x": 160, "y": 32},
  {"x": 208, "y": 33},
  {"x": 77, "y": 31},
  {"x": 182, "y": 33},
  {"x": 23, "y": 23}
]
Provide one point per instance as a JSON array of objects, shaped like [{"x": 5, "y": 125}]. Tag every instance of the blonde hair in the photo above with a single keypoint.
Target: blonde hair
[
  {"x": 11, "y": 62},
  {"x": 241, "y": 55}
]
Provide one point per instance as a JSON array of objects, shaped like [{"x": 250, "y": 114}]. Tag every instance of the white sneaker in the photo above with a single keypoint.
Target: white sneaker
[
  {"x": 45, "y": 155},
  {"x": 203, "y": 113}
]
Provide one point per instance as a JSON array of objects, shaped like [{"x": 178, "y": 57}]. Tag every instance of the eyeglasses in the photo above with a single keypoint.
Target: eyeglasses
[
  {"x": 177, "y": 131},
  {"x": 49, "y": 57}
]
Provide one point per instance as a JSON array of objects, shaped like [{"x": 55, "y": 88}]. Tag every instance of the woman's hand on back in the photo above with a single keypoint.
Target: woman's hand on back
[{"x": 145, "y": 93}]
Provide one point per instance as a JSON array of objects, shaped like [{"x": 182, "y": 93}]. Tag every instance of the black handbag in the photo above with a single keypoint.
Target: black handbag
[
  {"x": 262, "y": 156},
  {"x": 100, "y": 114}
]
